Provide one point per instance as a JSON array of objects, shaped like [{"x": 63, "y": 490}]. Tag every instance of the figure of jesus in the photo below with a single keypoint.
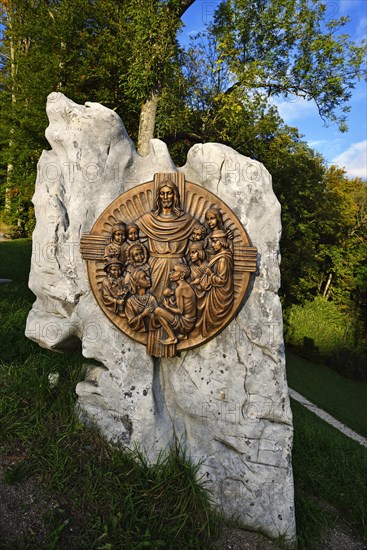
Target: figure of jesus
[{"x": 168, "y": 229}]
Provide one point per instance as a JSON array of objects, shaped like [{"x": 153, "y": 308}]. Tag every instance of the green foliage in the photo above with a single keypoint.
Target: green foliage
[
  {"x": 153, "y": 28},
  {"x": 331, "y": 226},
  {"x": 320, "y": 324},
  {"x": 112, "y": 52},
  {"x": 287, "y": 47},
  {"x": 342, "y": 254},
  {"x": 297, "y": 173}
]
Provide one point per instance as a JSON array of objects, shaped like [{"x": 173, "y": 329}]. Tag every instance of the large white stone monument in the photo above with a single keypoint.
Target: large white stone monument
[{"x": 226, "y": 401}]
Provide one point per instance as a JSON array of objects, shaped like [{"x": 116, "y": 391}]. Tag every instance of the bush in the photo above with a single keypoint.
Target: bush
[
  {"x": 349, "y": 363},
  {"x": 320, "y": 327}
]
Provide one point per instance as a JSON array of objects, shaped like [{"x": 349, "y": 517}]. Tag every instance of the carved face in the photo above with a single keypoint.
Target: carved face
[
  {"x": 119, "y": 236},
  {"x": 211, "y": 220},
  {"x": 114, "y": 271},
  {"x": 137, "y": 255},
  {"x": 194, "y": 256},
  {"x": 133, "y": 234},
  {"x": 216, "y": 244},
  {"x": 196, "y": 235},
  {"x": 166, "y": 195},
  {"x": 144, "y": 280},
  {"x": 175, "y": 274}
]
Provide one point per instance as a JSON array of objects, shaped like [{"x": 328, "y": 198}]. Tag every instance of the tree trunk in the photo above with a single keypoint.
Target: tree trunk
[
  {"x": 10, "y": 167},
  {"x": 147, "y": 123},
  {"x": 327, "y": 286},
  {"x": 175, "y": 10},
  {"x": 7, "y": 205}
]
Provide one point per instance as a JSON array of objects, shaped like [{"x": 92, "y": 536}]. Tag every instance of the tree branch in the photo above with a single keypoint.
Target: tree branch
[
  {"x": 273, "y": 88},
  {"x": 180, "y": 6},
  {"x": 180, "y": 136},
  {"x": 359, "y": 224},
  {"x": 184, "y": 6}
]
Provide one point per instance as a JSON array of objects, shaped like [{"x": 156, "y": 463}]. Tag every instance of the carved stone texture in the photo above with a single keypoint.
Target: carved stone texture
[
  {"x": 195, "y": 257},
  {"x": 226, "y": 400}
]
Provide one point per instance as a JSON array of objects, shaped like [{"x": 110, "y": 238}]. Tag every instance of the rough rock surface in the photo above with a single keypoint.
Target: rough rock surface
[{"x": 227, "y": 401}]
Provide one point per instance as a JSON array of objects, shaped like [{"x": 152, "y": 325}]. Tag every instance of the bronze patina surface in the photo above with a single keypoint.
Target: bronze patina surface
[{"x": 169, "y": 263}]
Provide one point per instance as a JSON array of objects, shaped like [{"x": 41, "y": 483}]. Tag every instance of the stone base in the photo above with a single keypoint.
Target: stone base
[{"x": 227, "y": 401}]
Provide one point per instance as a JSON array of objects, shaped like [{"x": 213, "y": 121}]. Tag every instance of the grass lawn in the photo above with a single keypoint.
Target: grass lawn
[
  {"x": 106, "y": 498},
  {"x": 329, "y": 471},
  {"x": 15, "y": 259},
  {"x": 344, "y": 399}
]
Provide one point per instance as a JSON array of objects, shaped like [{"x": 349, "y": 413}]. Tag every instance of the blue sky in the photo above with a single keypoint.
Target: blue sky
[{"x": 348, "y": 150}]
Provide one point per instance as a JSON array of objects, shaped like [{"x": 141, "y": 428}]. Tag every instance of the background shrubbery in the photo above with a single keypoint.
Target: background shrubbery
[
  {"x": 320, "y": 324},
  {"x": 321, "y": 330},
  {"x": 348, "y": 362}
]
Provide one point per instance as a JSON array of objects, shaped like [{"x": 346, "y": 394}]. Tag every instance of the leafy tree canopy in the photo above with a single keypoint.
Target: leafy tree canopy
[{"x": 284, "y": 47}]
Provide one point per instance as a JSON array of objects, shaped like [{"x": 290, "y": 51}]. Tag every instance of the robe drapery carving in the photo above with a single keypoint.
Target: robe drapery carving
[{"x": 185, "y": 274}]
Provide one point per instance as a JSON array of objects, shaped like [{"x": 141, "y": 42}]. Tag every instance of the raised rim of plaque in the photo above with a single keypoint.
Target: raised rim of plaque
[{"x": 165, "y": 241}]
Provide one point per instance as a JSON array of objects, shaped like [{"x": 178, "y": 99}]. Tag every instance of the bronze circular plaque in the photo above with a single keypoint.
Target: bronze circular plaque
[{"x": 169, "y": 263}]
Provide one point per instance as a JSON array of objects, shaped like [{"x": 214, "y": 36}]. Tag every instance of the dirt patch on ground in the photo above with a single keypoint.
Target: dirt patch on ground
[{"x": 23, "y": 509}]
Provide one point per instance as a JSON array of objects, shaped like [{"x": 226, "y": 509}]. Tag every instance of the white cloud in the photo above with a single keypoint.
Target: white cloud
[
  {"x": 362, "y": 25},
  {"x": 295, "y": 108},
  {"x": 354, "y": 160},
  {"x": 357, "y": 10},
  {"x": 362, "y": 29},
  {"x": 314, "y": 144}
]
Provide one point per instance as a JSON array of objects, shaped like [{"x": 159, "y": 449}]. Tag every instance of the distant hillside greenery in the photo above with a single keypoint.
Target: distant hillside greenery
[{"x": 126, "y": 55}]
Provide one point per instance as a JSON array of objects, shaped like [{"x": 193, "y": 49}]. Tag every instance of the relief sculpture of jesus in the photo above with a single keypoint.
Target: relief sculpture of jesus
[
  {"x": 168, "y": 229},
  {"x": 181, "y": 257}
]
